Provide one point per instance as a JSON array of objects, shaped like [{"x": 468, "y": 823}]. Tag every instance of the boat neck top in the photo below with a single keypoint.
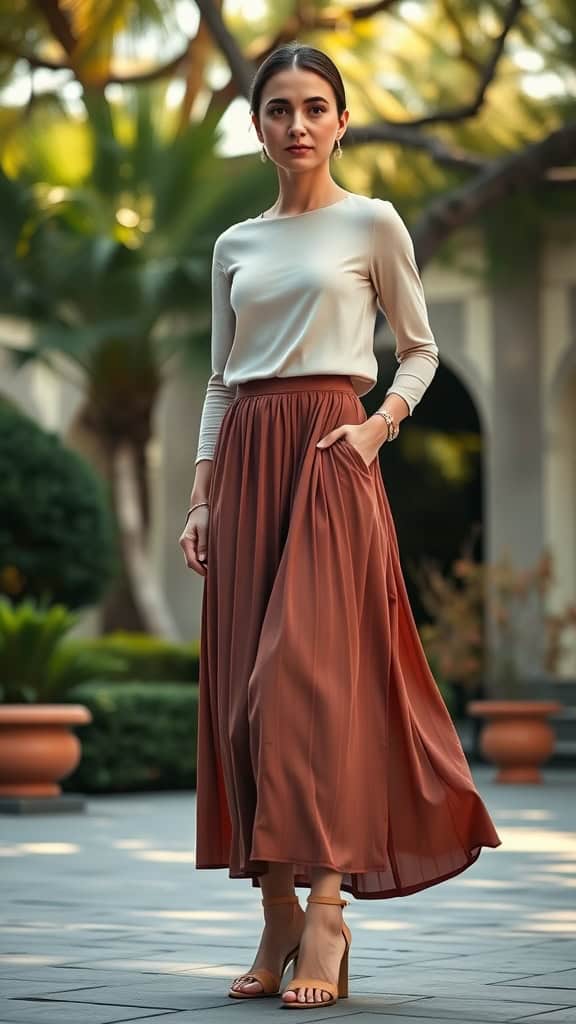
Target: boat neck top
[
  {"x": 298, "y": 294},
  {"x": 303, "y": 213}
]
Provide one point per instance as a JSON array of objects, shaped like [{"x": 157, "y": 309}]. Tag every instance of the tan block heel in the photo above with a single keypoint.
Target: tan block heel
[
  {"x": 338, "y": 991},
  {"x": 270, "y": 982}
]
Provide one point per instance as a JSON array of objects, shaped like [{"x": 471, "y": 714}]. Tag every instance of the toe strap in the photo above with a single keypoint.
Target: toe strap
[
  {"x": 268, "y": 980},
  {"x": 320, "y": 983}
]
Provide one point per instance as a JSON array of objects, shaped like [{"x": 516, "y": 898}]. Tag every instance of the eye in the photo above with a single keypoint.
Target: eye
[{"x": 281, "y": 110}]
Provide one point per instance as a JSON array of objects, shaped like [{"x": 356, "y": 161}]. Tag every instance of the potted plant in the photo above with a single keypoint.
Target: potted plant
[
  {"x": 37, "y": 747},
  {"x": 491, "y": 631}
]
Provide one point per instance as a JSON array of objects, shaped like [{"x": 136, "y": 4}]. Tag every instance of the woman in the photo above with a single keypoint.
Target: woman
[{"x": 326, "y": 756}]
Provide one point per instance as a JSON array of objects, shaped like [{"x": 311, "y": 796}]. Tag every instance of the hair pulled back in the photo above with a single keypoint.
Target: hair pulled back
[{"x": 297, "y": 55}]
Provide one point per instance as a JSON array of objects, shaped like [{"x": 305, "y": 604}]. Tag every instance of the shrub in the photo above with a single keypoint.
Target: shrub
[
  {"x": 142, "y": 737},
  {"x": 148, "y": 658},
  {"x": 56, "y": 527}
]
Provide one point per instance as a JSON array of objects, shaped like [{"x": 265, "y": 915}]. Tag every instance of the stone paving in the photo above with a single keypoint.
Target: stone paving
[{"x": 105, "y": 919}]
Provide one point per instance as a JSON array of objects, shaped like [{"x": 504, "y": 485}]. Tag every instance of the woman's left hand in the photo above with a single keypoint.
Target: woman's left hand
[{"x": 362, "y": 436}]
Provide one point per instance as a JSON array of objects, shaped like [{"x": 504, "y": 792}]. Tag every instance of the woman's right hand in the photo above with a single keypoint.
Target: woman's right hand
[{"x": 194, "y": 540}]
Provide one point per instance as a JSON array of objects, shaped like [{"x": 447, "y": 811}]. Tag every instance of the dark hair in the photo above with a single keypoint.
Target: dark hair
[{"x": 297, "y": 55}]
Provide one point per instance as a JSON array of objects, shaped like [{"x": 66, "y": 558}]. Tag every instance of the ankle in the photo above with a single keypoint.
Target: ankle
[
  {"x": 282, "y": 914},
  {"x": 328, "y": 916},
  {"x": 281, "y": 903},
  {"x": 327, "y": 901}
]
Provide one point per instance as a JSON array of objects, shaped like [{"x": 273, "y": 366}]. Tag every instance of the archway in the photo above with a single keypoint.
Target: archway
[{"x": 433, "y": 473}]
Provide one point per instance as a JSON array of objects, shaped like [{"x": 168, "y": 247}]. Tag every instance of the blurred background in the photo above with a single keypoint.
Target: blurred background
[{"x": 126, "y": 147}]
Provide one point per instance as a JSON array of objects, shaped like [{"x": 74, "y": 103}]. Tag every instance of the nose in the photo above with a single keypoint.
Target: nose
[{"x": 297, "y": 129}]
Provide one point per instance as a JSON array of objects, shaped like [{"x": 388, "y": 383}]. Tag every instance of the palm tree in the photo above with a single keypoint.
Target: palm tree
[{"x": 106, "y": 254}]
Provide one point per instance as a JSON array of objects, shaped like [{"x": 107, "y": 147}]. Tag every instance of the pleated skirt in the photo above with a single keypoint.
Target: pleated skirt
[{"x": 323, "y": 739}]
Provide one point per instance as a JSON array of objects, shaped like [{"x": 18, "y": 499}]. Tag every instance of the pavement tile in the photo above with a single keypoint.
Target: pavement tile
[
  {"x": 552, "y": 997},
  {"x": 23, "y": 987},
  {"x": 566, "y": 1015},
  {"x": 463, "y": 1010},
  {"x": 107, "y": 920},
  {"x": 29, "y": 1012},
  {"x": 246, "y": 1013},
  {"x": 564, "y": 979}
]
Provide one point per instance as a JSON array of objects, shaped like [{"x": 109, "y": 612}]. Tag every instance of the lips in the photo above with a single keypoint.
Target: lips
[{"x": 298, "y": 149}]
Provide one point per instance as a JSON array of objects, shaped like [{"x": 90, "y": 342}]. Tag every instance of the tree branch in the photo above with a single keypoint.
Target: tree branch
[
  {"x": 136, "y": 78},
  {"x": 448, "y": 156},
  {"x": 465, "y": 52},
  {"x": 241, "y": 68},
  {"x": 369, "y": 10},
  {"x": 461, "y": 206},
  {"x": 31, "y": 59},
  {"x": 58, "y": 24},
  {"x": 466, "y": 110}
]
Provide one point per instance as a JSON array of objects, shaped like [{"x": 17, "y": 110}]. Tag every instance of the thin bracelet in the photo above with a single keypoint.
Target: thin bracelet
[{"x": 198, "y": 504}]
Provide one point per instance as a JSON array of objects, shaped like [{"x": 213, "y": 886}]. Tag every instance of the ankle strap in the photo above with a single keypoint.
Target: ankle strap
[
  {"x": 327, "y": 899},
  {"x": 270, "y": 900}
]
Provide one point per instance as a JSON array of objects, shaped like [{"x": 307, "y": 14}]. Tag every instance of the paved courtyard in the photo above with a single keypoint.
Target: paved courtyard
[{"x": 105, "y": 919}]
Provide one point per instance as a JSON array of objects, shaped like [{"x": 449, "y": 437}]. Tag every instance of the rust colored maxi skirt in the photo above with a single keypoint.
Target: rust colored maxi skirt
[{"x": 323, "y": 739}]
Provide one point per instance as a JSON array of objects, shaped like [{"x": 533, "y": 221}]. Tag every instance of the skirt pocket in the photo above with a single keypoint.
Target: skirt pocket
[{"x": 355, "y": 455}]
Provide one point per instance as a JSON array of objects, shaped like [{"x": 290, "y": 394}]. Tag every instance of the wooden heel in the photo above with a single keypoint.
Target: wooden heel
[{"x": 343, "y": 972}]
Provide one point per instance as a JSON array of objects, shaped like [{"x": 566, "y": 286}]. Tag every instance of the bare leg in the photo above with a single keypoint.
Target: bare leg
[
  {"x": 278, "y": 880},
  {"x": 283, "y": 925},
  {"x": 322, "y": 943}
]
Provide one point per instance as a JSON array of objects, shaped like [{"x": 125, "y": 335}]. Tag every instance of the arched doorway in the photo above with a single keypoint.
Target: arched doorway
[{"x": 433, "y": 473}]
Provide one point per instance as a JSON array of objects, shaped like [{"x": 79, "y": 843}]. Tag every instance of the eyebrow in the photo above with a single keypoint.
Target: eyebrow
[{"x": 310, "y": 99}]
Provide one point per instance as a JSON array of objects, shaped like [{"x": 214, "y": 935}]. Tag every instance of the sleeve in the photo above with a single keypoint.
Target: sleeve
[
  {"x": 218, "y": 396},
  {"x": 395, "y": 276}
]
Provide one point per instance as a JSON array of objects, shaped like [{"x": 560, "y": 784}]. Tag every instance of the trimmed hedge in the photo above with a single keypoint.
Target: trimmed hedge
[
  {"x": 145, "y": 657},
  {"x": 57, "y": 534},
  {"x": 142, "y": 737}
]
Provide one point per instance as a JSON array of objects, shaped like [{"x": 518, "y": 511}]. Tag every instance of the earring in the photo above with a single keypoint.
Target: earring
[
  {"x": 263, "y": 155},
  {"x": 338, "y": 149}
]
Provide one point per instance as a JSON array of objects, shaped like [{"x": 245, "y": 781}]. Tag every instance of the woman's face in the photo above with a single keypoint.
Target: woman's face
[{"x": 298, "y": 107}]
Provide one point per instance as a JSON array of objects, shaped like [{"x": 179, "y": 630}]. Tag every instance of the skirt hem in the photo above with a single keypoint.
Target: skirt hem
[{"x": 406, "y": 890}]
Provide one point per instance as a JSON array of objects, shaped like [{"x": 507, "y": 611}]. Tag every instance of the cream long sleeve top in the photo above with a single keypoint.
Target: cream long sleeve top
[{"x": 298, "y": 294}]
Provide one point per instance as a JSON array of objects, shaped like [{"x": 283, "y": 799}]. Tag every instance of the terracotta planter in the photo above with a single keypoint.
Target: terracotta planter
[
  {"x": 516, "y": 736},
  {"x": 37, "y": 748}
]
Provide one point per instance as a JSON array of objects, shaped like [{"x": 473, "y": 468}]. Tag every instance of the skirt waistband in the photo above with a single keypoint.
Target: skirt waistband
[{"x": 305, "y": 382}]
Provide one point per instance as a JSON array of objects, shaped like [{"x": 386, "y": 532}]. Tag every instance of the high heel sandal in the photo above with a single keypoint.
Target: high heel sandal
[
  {"x": 339, "y": 991},
  {"x": 270, "y": 982}
]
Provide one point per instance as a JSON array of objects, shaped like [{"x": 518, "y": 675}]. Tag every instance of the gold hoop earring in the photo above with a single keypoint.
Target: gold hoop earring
[
  {"x": 263, "y": 155},
  {"x": 338, "y": 149}
]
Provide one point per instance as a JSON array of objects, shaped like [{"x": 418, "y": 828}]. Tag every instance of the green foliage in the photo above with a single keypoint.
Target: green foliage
[
  {"x": 35, "y": 662},
  {"x": 106, "y": 250},
  {"x": 56, "y": 532},
  {"x": 100, "y": 254},
  {"x": 490, "y": 623},
  {"x": 146, "y": 657},
  {"x": 142, "y": 737},
  {"x": 447, "y": 689}
]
